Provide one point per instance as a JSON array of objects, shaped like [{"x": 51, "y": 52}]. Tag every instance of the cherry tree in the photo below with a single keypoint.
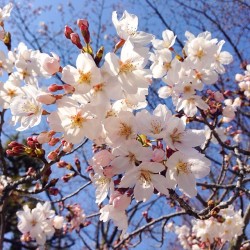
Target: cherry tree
[{"x": 150, "y": 170}]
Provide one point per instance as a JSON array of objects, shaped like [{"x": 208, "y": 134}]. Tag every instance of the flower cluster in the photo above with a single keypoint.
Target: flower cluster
[
  {"x": 244, "y": 81},
  {"x": 225, "y": 227},
  {"x": 38, "y": 223}
]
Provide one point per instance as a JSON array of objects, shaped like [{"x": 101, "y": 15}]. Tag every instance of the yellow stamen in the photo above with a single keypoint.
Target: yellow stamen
[
  {"x": 125, "y": 130},
  {"x": 84, "y": 77},
  {"x": 126, "y": 67},
  {"x": 77, "y": 120}
]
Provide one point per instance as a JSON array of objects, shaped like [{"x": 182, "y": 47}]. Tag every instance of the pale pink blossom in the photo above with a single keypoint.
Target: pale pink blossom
[
  {"x": 129, "y": 71},
  {"x": 167, "y": 42},
  {"x": 126, "y": 28},
  {"x": 85, "y": 76},
  {"x": 145, "y": 178},
  {"x": 184, "y": 169},
  {"x": 50, "y": 64},
  {"x": 5, "y": 11}
]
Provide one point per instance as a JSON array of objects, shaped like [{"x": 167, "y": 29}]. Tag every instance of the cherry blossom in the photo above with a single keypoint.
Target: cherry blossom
[
  {"x": 185, "y": 169},
  {"x": 145, "y": 178},
  {"x": 126, "y": 28},
  {"x": 84, "y": 76}
]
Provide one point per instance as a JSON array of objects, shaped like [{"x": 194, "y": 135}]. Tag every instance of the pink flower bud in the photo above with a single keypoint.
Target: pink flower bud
[
  {"x": 158, "y": 155},
  {"x": 54, "y": 87},
  {"x": 45, "y": 98},
  {"x": 75, "y": 39},
  {"x": 31, "y": 171},
  {"x": 67, "y": 31},
  {"x": 53, "y": 141},
  {"x": 53, "y": 191},
  {"x": 67, "y": 147},
  {"x": 85, "y": 33},
  {"x": 62, "y": 164},
  {"x": 81, "y": 22},
  {"x": 14, "y": 144},
  {"x": 67, "y": 177},
  {"x": 52, "y": 155}
]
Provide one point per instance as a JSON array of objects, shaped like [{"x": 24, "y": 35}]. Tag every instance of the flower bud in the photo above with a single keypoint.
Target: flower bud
[
  {"x": 31, "y": 171},
  {"x": 119, "y": 45},
  {"x": 78, "y": 164},
  {"x": 2, "y": 33},
  {"x": 53, "y": 141},
  {"x": 75, "y": 39},
  {"x": 67, "y": 177},
  {"x": 99, "y": 55},
  {"x": 81, "y": 22},
  {"x": 53, "y": 191},
  {"x": 54, "y": 87},
  {"x": 58, "y": 222},
  {"x": 46, "y": 98},
  {"x": 67, "y": 147},
  {"x": 67, "y": 31},
  {"x": 7, "y": 40},
  {"x": 85, "y": 33},
  {"x": 52, "y": 155}
]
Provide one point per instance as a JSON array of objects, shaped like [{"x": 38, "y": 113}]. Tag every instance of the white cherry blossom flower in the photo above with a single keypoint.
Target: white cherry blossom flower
[
  {"x": 129, "y": 69},
  {"x": 184, "y": 169},
  {"x": 26, "y": 109},
  {"x": 154, "y": 125},
  {"x": 37, "y": 222},
  {"x": 120, "y": 128},
  {"x": 8, "y": 91},
  {"x": 189, "y": 104},
  {"x": 132, "y": 102},
  {"x": 73, "y": 120},
  {"x": 128, "y": 155},
  {"x": 85, "y": 76},
  {"x": 103, "y": 185},
  {"x": 167, "y": 42},
  {"x": 221, "y": 58},
  {"x": 201, "y": 49},
  {"x": 119, "y": 217},
  {"x": 5, "y": 64},
  {"x": 177, "y": 138},
  {"x": 145, "y": 178},
  {"x": 5, "y": 11},
  {"x": 126, "y": 28}
]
